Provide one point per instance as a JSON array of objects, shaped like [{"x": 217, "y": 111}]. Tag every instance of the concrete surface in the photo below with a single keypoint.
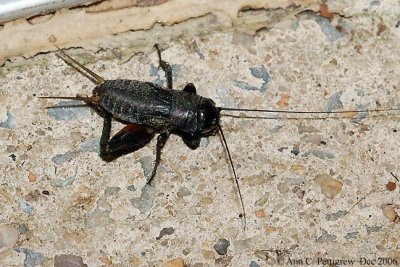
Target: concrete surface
[{"x": 313, "y": 189}]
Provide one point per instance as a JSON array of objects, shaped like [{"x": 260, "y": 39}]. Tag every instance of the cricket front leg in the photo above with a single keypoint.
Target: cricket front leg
[
  {"x": 166, "y": 67},
  {"x": 161, "y": 140},
  {"x": 105, "y": 134}
]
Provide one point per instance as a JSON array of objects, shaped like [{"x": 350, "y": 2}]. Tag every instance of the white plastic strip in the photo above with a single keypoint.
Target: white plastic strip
[{"x": 15, "y": 9}]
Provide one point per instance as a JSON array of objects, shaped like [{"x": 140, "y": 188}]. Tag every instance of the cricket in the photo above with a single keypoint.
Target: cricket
[{"x": 148, "y": 109}]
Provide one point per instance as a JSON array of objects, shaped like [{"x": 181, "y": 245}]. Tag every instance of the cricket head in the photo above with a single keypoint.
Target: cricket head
[{"x": 207, "y": 117}]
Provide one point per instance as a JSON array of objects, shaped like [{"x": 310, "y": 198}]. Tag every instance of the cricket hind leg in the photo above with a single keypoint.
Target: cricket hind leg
[
  {"x": 129, "y": 139},
  {"x": 161, "y": 140},
  {"x": 165, "y": 66}
]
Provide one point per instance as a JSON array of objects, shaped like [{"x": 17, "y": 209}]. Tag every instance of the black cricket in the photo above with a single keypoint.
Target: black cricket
[{"x": 148, "y": 109}]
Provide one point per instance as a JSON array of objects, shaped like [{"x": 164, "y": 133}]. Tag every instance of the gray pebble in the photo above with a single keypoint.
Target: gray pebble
[
  {"x": 351, "y": 235},
  {"x": 283, "y": 188},
  {"x": 131, "y": 187},
  {"x": 261, "y": 73},
  {"x": 61, "y": 158},
  {"x": 221, "y": 246},
  {"x": 98, "y": 218},
  {"x": 254, "y": 264},
  {"x": 295, "y": 181},
  {"x": 26, "y": 207},
  {"x": 295, "y": 151},
  {"x": 334, "y": 102},
  {"x": 326, "y": 237},
  {"x": 246, "y": 86},
  {"x": 183, "y": 192},
  {"x": 10, "y": 122},
  {"x": 320, "y": 153},
  {"x": 63, "y": 183},
  {"x": 328, "y": 29},
  {"x": 147, "y": 166},
  {"x": 32, "y": 258},
  {"x": 165, "y": 231},
  {"x": 145, "y": 201},
  {"x": 373, "y": 229},
  {"x": 22, "y": 229},
  {"x": 90, "y": 145},
  {"x": 335, "y": 216},
  {"x": 109, "y": 191}
]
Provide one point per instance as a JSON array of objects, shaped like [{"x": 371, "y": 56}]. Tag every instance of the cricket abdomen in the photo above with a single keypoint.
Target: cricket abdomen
[{"x": 149, "y": 104}]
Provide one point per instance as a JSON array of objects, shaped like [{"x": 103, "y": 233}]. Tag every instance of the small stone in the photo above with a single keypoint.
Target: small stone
[
  {"x": 90, "y": 145},
  {"x": 61, "y": 158},
  {"x": 329, "y": 186},
  {"x": 320, "y": 153},
  {"x": 297, "y": 168},
  {"x": 145, "y": 201},
  {"x": 391, "y": 186},
  {"x": 183, "y": 192},
  {"x": 326, "y": 237},
  {"x": 315, "y": 139},
  {"x": 221, "y": 246},
  {"x": 107, "y": 261},
  {"x": 256, "y": 180},
  {"x": 299, "y": 192},
  {"x": 147, "y": 166},
  {"x": 260, "y": 213},
  {"x": 68, "y": 260},
  {"x": 295, "y": 151},
  {"x": 270, "y": 229},
  {"x": 254, "y": 264},
  {"x": 261, "y": 73},
  {"x": 334, "y": 102},
  {"x": 110, "y": 191},
  {"x": 283, "y": 188},
  {"x": 8, "y": 236},
  {"x": 31, "y": 177},
  {"x": 165, "y": 231},
  {"x": 26, "y": 207},
  {"x": 32, "y": 258},
  {"x": 373, "y": 229},
  {"x": 178, "y": 262},
  {"x": 22, "y": 229},
  {"x": 63, "y": 183},
  {"x": 390, "y": 213},
  {"x": 351, "y": 235},
  {"x": 10, "y": 122},
  {"x": 134, "y": 261},
  {"x": 261, "y": 202},
  {"x": 335, "y": 216},
  {"x": 283, "y": 101}
]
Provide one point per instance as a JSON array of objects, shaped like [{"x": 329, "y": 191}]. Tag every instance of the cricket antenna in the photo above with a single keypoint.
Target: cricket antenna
[
  {"x": 96, "y": 79},
  {"x": 87, "y": 100},
  {"x": 309, "y": 112},
  {"x": 234, "y": 174}
]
